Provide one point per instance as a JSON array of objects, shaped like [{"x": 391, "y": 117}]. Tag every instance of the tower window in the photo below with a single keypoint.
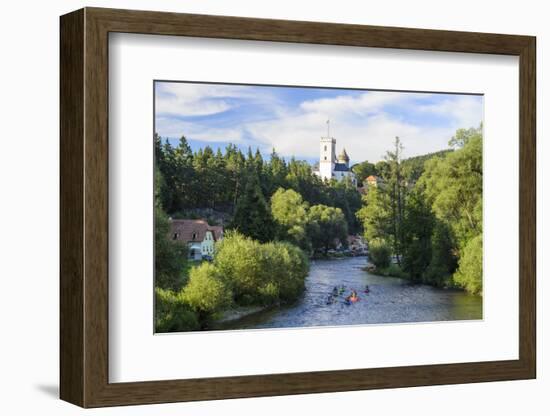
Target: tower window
[
  {"x": 325, "y": 158},
  {"x": 325, "y": 148}
]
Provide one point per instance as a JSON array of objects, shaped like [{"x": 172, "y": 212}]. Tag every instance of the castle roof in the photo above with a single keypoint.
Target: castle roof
[
  {"x": 341, "y": 167},
  {"x": 343, "y": 155}
]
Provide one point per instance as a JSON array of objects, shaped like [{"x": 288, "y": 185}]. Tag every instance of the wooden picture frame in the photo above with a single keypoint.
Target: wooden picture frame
[{"x": 84, "y": 207}]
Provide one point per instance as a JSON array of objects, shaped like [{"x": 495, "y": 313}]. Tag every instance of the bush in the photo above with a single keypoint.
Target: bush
[
  {"x": 470, "y": 267},
  {"x": 287, "y": 267},
  {"x": 172, "y": 313},
  {"x": 393, "y": 270},
  {"x": 258, "y": 273},
  {"x": 379, "y": 253},
  {"x": 206, "y": 293}
]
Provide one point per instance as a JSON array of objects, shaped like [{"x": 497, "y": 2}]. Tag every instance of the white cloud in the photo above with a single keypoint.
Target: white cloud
[
  {"x": 174, "y": 128},
  {"x": 359, "y": 105},
  {"x": 465, "y": 110},
  {"x": 362, "y": 125},
  {"x": 188, "y": 99},
  {"x": 365, "y": 123},
  {"x": 368, "y": 140}
]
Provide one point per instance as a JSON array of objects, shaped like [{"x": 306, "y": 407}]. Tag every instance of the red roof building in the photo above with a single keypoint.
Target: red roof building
[{"x": 198, "y": 235}]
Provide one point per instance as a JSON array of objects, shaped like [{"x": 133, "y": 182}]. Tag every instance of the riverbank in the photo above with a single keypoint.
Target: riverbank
[
  {"x": 394, "y": 271},
  {"x": 239, "y": 312},
  {"x": 335, "y": 255}
]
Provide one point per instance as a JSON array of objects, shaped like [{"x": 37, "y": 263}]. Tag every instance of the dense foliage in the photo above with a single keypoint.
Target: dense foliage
[
  {"x": 469, "y": 273},
  {"x": 327, "y": 227},
  {"x": 242, "y": 185},
  {"x": 244, "y": 272},
  {"x": 290, "y": 213},
  {"x": 379, "y": 253},
  {"x": 170, "y": 257},
  {"x": 172, "y": 313},
  {"x": 429, "y": 210},
  {"x": 206, "y": 293},
  {"x": 260, "y": 274}
]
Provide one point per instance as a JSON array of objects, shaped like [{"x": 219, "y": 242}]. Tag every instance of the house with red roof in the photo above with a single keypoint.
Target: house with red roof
[
  {"x": 373, "y": 181},
  {"x": 199, "y": 236}
]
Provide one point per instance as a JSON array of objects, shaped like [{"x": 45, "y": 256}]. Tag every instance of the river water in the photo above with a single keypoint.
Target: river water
[{"x": 391, "y": 300}]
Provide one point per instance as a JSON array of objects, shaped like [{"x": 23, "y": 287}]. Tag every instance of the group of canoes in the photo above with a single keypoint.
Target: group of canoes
[{"x": 348, "y": 300}]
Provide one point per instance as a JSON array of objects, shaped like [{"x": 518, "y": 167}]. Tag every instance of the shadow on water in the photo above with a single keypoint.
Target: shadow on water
[{"x": 391, "y": 300}]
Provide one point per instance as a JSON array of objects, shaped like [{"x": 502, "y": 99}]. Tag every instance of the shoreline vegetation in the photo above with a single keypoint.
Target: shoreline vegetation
[
  {"x": 430, "y": 230},
  {"x": 420, "y": 217}
]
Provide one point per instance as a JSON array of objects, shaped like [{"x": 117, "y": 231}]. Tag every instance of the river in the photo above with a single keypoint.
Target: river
[{"x": 391, "y": 300}]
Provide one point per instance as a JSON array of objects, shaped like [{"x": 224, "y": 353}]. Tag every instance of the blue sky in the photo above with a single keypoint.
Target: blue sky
[{"x": 292, "y": 119}]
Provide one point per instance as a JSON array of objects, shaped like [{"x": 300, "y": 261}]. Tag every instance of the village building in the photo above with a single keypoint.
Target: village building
[
  {"x": 373, "y": 181},
  {"x": 198, "y": 235},
  {"x": 332, "y": 166},
  {"x": 357, "y": 244}
]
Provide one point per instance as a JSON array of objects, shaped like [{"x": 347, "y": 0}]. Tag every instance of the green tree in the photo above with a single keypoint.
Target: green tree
[
  {"x": 363, "y": 170},
  {"x": 327, "y": 227},
  {"x": 375, "y": 214},
  {"x": 454, "y": 186},
  {"x": 463, "y": 136},
  {"x": 379, "y": 253},
  {"x": 470, "y": 269},
  {"x": 172, "y": 313},
  {"x": 206, "y": 292},
  {"x": 252, "y": 214},
  {"x": 258, "y": 273},
  {"x": 276, "y": 172},
  {"x": 444, "y": 255},
  {"x": 170, "y": 256},
  {"x": 418, "y": 226},
  {"x": 395, "y": 189},
  {"x": 290, "y": 213}
]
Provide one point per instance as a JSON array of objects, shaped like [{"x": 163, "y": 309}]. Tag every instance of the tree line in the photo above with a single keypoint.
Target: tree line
[
  {"x": 242, "y": 185},
  {"x": 429, "y": 218}
]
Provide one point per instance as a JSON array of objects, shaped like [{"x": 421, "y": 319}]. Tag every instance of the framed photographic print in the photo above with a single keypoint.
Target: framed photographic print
[{"x": 255, "y": 207}]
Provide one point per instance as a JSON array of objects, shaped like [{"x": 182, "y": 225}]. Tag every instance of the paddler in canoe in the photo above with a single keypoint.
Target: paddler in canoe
[{"x": 352, "y": 298}]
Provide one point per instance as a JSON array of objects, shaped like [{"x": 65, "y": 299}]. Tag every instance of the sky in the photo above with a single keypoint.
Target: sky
[{"x": 293, "y": 119}]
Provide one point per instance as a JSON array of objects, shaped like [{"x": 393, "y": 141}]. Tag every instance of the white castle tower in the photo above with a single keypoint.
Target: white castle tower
[
  {"x": 327, "y": 160},
  {"x": 331, "y": 167}
]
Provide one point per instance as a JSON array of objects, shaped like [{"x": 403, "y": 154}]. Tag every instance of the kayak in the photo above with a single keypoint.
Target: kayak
[{"x": 349, "y": 301}]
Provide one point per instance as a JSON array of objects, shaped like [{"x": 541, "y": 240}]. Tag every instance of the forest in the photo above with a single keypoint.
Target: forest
[{"x": 432, "y": 225}]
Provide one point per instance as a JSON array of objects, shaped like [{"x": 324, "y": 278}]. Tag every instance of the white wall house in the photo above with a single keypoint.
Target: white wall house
[{"x": 198, "y": 235}]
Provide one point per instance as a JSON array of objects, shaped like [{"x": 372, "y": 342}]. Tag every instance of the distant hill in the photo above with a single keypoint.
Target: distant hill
[{"x": 414, "y": 166}]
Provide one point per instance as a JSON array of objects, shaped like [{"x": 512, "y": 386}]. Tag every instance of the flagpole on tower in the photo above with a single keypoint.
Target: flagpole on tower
[{"x": 328, "y": 128}]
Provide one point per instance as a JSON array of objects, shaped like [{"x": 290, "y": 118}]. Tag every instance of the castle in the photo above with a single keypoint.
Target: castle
[{"x": 330, "y": 166}]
